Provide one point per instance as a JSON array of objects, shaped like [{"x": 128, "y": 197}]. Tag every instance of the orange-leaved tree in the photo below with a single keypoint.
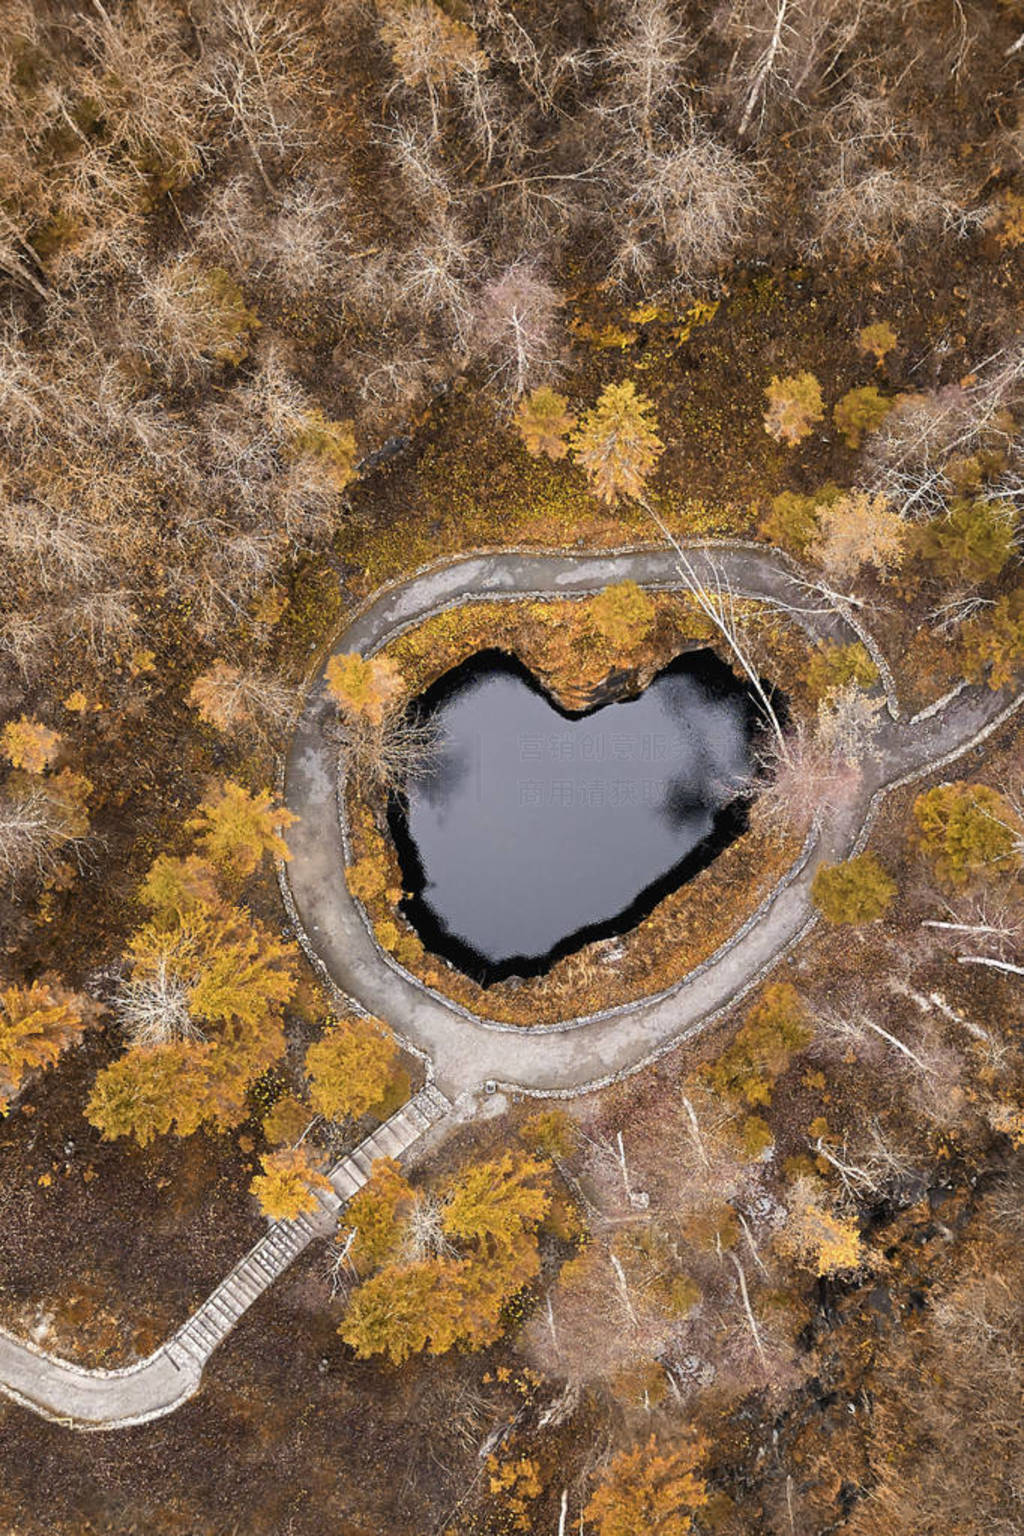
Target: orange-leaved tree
[
  {"x": 235, "y": 830},
  {"x": 617, "y": 442},
  {"x": 350, "y": 1068},
  {"x": 240, "y": 701},
  {"x": 37, "y": 1023},
  {"x": 287, "y": 1186},
  {"x": 650, "y": 1492},
  {"x": 773, "y": 1029}
]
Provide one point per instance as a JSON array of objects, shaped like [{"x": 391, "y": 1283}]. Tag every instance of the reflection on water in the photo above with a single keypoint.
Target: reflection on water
[{"x": 536, "y": 831}]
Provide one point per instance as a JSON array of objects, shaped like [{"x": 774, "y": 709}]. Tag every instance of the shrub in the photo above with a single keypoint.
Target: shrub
[
  {"x": 857, "y": 891},
  {"x": 833, "y": 665},
  {"x": 859, "y": 411},
  {"x": 968, "y": 831},
  {"x": 794, "y": 407},
  {"x": 993, "y": 642},
  {"x": 285, "y": 1121},
  {"x": 543, "y": 421},
  {"x": 878, "y": 340},
  {"x": 972, "y": 542},
  {"x": 793, "y": 522}
]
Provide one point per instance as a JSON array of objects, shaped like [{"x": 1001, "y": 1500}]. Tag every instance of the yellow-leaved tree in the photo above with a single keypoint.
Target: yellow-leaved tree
[
  {"x": 451, "y": 1260},
  {"x": 361, "y": 687},
  {"x": 28, "y": 744},
  {"x": 644, "y": 1491},
  {"x": 617, "y": 442},
  {"x": 287, "y": 1186},
  {"x": 37, "y": 1023},
  {"x": 202, "y": 1011},
  {"x": 815, "y": 1236},
  {"x": 351, "y": 1068},
  {"x": 235, "y": 830},
  {"x": 622, "y": 614}
]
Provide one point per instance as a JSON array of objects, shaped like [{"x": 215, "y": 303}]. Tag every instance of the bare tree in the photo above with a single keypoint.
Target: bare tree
[
  {"x": 692, "y": 201},
  {"x": 242, "y": 701},
  {"x": 514, "y": 328},
  {"x": 258, "y": 69},
  {"x": 384, "y": 754},
  {"x": 154, "y": 1009},
  {"x": 37, "y": 831}
]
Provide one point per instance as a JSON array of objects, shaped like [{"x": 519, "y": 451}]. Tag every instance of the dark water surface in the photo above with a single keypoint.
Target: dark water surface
[{"x": 539, "y": 831}]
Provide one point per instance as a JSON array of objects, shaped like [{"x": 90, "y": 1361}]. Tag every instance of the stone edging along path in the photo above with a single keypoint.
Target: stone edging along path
[
  {"x": 469, "y": 1052},
  {"x": 465, "y": 1054}
]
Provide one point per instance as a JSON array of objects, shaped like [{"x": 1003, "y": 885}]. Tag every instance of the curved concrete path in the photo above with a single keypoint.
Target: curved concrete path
[
  {"x": 470, "y": 1052},
  {"x": 467, "y": 1053},
  {"x": 91, "y": 1399}
]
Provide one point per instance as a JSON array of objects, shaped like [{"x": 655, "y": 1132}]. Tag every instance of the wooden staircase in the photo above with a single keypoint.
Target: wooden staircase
[{"x": 283, "y": 1241}]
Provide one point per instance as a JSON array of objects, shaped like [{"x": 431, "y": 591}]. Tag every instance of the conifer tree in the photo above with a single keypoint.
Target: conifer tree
[
  {"x": 544, "y": 421},
  {"x": 235, "y": 830},
  {"x": 617, "y": 442},
  {"x": 857, "y": 891},
  {"x": 794, "y": 407},
  {"x": 148, "y": 1090},
  {"x": 968, "y": 831},
  {"x": 622, "y": 614},
  {"x": 994, "y": 641},
  {"x": 287, "y": 1186},
  {"x": 375, "y": 1215},
  {"x": 350, "y": 1068}
]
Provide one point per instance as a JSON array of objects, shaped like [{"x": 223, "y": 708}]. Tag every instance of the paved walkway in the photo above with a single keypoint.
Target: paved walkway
[
  {"x": 468, "y": 1054},
  {"x": 83, "y": 1399}
]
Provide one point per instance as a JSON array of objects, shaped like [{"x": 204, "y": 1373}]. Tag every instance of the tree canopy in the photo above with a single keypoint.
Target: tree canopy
[
  {"x": 617, "y": 442},
  {"x": 350, "y": 1068}
]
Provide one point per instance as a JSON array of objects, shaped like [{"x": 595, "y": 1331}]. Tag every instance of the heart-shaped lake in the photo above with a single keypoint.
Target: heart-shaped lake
[{"x": 538, "y": 831}]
